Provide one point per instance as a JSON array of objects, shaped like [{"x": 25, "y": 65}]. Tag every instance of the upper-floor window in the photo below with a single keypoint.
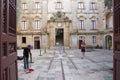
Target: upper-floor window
[
  {"x": 37, "y": 5},
  {"x": 24, "y": 25},
  {"x": 81, "y": 24},
  {"x": 24, "y": 6},
  {"x": 108, "y": 4},
  {"x": 59, "y": 5},
  {"x": 37, "y": 24},
  {"x": 93, "y": 24},
  {"x": 81, "y": 5},
  {"x": 93, "y": 39},
  {"x": 92, "y": 5}
]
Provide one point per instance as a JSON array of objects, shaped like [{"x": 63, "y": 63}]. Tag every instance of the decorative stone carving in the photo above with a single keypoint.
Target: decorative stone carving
[{"x": 59, "y": 16}]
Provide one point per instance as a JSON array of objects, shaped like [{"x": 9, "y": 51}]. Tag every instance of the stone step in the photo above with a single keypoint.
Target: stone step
[{"x": 59, "y": 47}]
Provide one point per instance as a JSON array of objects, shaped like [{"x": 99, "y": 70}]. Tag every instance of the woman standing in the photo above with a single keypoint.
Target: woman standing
[{"x": 83, "y": 45}]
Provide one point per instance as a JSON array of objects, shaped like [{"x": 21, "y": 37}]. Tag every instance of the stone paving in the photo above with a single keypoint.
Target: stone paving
[{"x": 68, "y": 65}]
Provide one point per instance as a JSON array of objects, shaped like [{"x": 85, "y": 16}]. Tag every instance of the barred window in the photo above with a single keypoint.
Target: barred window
[
  {"x": 24, "y": 25},
  {"x": 93, "y": 39},
  {"x": 24, "y": 6},
  {"x": 37, "y": 5},
  {"x": 81, "y": 5},
  {"x": 37, "y": 24},
  {"x": 93, "y": 24},
  {"x": 92, "y": 5},
  {"x": 81, "y": 24},
  {"x": 59, "y": 5}
]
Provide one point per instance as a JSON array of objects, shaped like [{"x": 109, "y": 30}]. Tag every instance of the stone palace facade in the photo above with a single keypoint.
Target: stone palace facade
[{"x": 49, "y": 23}]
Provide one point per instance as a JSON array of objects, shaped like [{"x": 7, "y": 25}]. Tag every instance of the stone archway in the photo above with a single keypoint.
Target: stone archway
[
  {"x": 108, "y": 42},
  {"x": 58, "y": 29}
]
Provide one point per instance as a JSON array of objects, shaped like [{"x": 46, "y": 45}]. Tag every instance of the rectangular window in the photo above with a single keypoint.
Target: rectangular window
[
  {"x": 93, "y": 25},
  {"x": 92, "y": 5},
  {"x": 81, "y": 5},
  {"x": 59, "y": 5},
  {"x": 24, "y": 6},
  {"x": 37, "y": 5},
  {"x": 37, "y": 25},
  {"x": 24, "y": 25},
  {"x": 81, "y": 24},
  {"x": 23, "y": 39},
  {"x": 94, "y": 39}
]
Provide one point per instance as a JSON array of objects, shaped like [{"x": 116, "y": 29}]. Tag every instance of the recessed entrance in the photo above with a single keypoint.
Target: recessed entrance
[
  {"x": 60, "y": 36},
  {"x": 108, "y": 42},
  {"x": 36, "y": 43}
]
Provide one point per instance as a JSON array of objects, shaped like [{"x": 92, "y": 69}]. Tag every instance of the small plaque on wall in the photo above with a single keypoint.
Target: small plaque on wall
[
  {"x": 44, "y": 42},
  {"x": 74, "y": 40},
  {"x": 59, "y": 24}
]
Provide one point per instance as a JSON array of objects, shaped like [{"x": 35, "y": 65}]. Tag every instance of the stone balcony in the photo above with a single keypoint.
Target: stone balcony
[{"x": 108, "y": 30}]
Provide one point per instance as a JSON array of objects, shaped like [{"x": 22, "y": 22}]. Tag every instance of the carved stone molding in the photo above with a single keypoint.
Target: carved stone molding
[{"x": 59, "y": 16}]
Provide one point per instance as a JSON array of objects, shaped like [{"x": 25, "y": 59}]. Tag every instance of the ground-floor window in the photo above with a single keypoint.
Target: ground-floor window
[
  {"x": 93, "y": 39},
  {"x": 23, "y": 39}
]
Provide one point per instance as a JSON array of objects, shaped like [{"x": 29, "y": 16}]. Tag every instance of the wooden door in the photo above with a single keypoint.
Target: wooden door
[
  {"x": 116, "y": 39},
  {"x": 8, "y": 55},
  {"x": 36, "y": 44}
]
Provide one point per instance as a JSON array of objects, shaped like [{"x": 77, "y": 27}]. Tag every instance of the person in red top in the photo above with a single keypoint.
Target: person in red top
[{"x": 83, "y": 45}]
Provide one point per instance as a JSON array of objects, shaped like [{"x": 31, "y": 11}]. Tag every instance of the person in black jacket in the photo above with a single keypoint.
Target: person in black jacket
[{"x": 26, "y": 53}]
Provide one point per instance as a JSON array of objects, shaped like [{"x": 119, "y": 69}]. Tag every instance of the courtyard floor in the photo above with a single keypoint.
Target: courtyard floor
[{"x": 59, "y": 64}]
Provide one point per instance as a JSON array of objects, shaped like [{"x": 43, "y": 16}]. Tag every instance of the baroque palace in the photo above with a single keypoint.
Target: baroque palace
[{"x": 49, "y": 23}]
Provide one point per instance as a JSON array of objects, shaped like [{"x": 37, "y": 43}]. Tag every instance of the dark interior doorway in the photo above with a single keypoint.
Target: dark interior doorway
[
  {"x": 60, "y": 36},
  {"x": 108, "y": 42},
  {"x": 37, "y": 44},
  {"x": 80, "y": 41}
]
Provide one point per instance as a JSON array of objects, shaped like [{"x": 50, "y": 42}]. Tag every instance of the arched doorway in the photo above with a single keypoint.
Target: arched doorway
[{"x": 108, "y": 42}]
